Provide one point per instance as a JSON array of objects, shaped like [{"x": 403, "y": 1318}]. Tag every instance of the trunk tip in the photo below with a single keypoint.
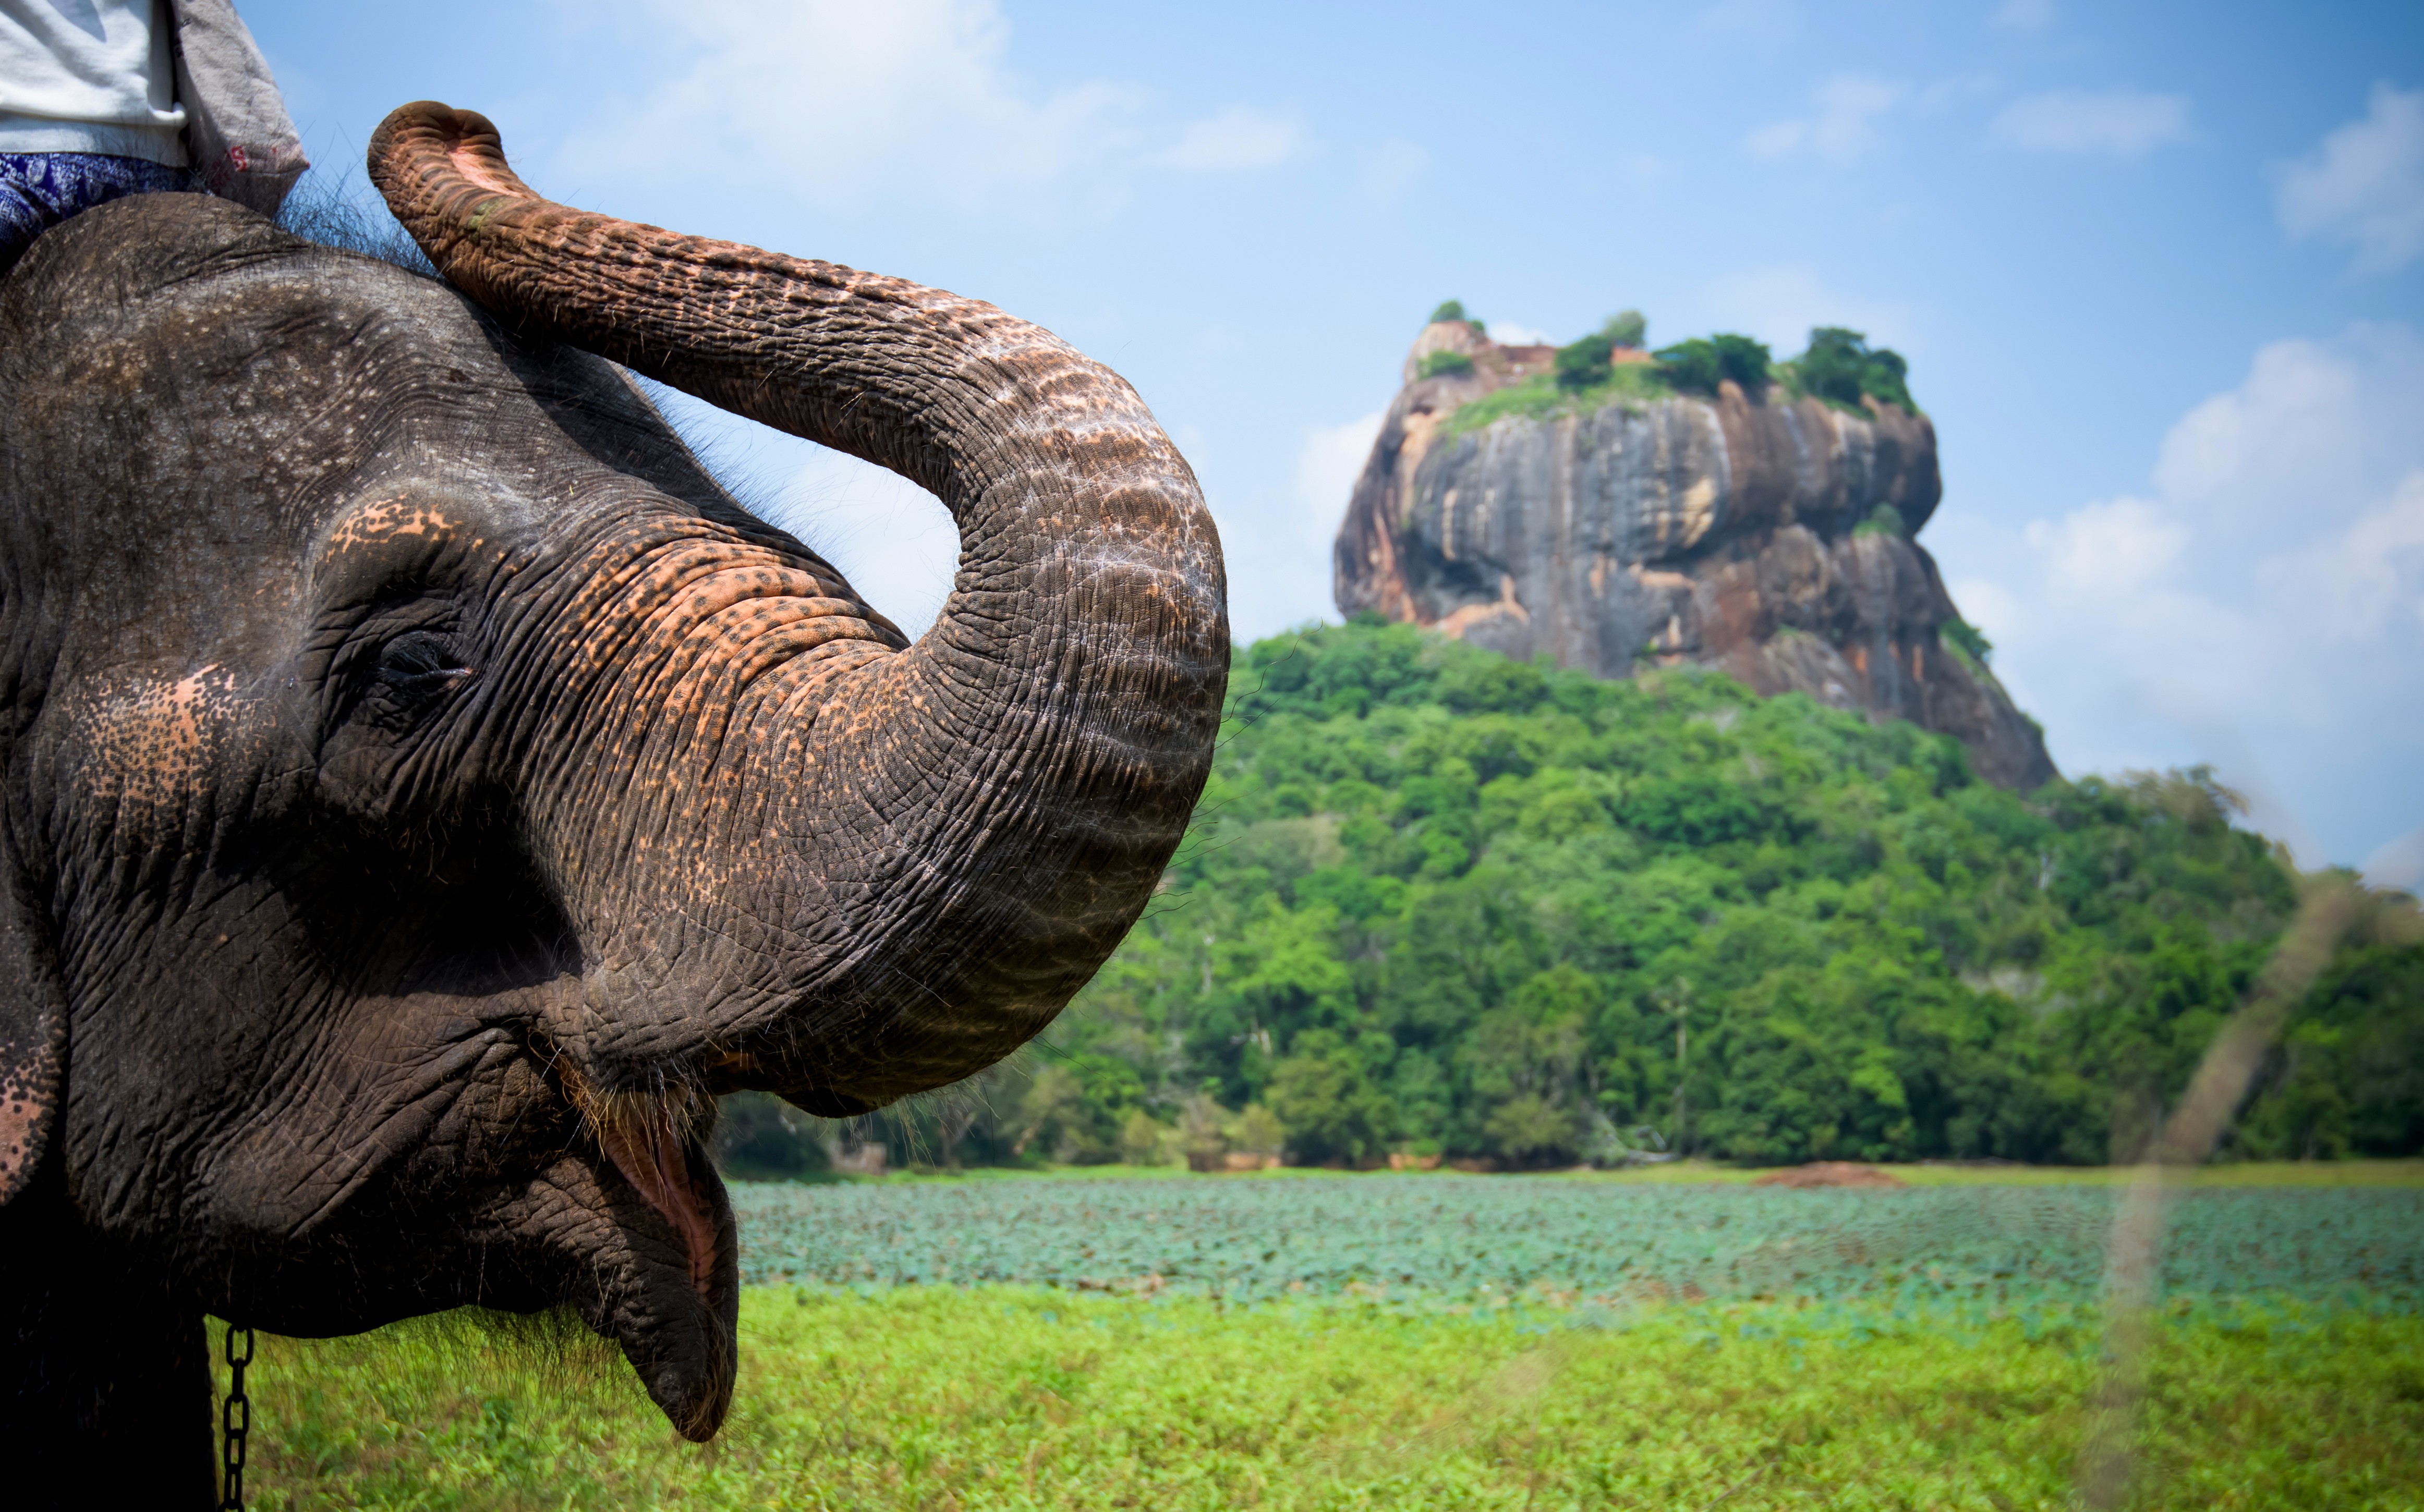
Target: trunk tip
[{"x": 427, "y": 138}]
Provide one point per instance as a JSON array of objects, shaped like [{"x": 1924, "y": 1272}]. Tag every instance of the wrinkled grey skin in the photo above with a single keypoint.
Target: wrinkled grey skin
[{"x": 423, "y": 788}]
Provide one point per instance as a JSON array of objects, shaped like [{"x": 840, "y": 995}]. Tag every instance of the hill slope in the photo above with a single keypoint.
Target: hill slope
[
  {"x": 1436, "y": 900},
  {"x": 1440, "y": 900}
]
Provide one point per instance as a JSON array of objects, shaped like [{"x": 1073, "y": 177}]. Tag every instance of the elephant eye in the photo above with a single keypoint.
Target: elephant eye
[{"x": 414, "y": 671}]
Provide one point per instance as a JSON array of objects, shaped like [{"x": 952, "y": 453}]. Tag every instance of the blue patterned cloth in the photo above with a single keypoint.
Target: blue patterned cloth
[{"x": 37, "y": 190}]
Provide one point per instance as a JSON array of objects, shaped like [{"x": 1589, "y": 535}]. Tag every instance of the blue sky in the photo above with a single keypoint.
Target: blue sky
[{"x": 2159, "y": 271}]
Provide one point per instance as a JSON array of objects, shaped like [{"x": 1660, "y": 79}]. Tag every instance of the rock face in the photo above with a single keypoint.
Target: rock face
[{"x": 1743, "y": 534}]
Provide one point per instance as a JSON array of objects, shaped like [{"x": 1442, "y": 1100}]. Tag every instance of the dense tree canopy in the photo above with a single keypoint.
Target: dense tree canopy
[
  {"x": 1440, "y": 901},
  {"x": 1842, "y": 368}
]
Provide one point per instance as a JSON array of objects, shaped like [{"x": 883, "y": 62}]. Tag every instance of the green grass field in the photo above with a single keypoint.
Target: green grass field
[{"x": 1950, "y": 1370}]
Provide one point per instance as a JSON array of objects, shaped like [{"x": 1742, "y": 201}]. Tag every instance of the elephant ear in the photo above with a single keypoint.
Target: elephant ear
[{"x": 32, "y": 1035}]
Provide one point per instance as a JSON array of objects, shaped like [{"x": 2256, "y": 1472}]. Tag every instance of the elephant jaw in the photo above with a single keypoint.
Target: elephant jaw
[{"x": 679, "y": 1336}]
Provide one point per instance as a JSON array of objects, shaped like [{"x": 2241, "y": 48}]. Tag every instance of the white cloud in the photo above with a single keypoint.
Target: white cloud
[
  {"x": 1240, "y": 136},
  {"x": 2022, "y": 15},
  {"x": 1777, "y": 139},
  {"x": 1329, "y": 459},
  {"x": 837, "y": 103},
  {"x": 831, "y": 99},
  {"x": 2261, "y": 606},
  {"x": 2115, "y": 123},
  {"x": 2363, "y": 578},
  {"x": 2295, "y": 417},
  {"x": 1952, "y": 91},
  {"x": 2364, "y": 185},
  {"x": 2121, "y": 546},
  {"x": 1780, "y": 305},
  {"x": 1278, "y": 541},
  {"x": 1843, "y": 126},
  {"x": 1989, "y": 603}
]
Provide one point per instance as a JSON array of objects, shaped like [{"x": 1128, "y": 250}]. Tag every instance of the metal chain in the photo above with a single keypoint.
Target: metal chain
[{"x": 236, "y": 1419}]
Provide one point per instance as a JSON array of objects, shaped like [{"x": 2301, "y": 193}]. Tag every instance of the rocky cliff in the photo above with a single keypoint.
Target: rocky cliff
[{"x": 1744, "y": 534}]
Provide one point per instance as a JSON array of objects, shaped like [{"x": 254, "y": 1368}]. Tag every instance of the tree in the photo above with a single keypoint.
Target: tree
[
  {"x": 1074, "y": 1109},
  {"x": 1324, "y": 1093},
  {"x": 1434, "y": 895},
  {"x": 1201, "y": 1137},
  {"x": 1842, "y": 368},
  {"x": 1142, "y": 1138},
  {"x": 1700, "y": 364},
  {"x": 1524, "y": 1060},
  {"x": 1257, "y": 1131},
  {"x": 1583, "y": 364},
  {"x": 1741, "y": 359},
  {"x": 760, "y": 1137}
]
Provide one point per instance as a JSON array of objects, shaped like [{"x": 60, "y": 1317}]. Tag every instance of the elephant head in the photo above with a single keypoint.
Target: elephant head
[{"x": 422, "y": 790}]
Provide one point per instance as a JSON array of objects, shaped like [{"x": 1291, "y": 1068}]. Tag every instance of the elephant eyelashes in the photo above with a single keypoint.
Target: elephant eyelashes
[{"x": 414, "y": 672}]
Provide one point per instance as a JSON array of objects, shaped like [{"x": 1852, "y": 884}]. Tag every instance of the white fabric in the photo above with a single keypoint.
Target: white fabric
[{"x": 89, "y": 77}]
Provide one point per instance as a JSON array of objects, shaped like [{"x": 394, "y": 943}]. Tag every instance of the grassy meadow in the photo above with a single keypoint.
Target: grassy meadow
[{"x": 1953, "y": 1369}]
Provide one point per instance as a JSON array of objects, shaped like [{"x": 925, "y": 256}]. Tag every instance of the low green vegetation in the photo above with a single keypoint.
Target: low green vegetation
[
  {"x": 1695, "y": 1171},
  {"x": 1451, "y": 364},
  {"x": 1429, "y": 1243},
  {"x": 1883, "y": 520},
  {"x": 1015, "y": 1399},
  {"x": 1967, "y": 640},
  {"x": 1839, "y": 368},
  {"x": 1421, "y": 1343},
  {"x": 1540, "y": 396},
  {"x": 1584, "y": 363},
  {"x": 1440, "y": 904}
]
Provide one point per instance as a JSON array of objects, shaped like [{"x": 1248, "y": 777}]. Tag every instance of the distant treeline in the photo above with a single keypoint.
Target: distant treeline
[{"x": 1437, "y": 902}]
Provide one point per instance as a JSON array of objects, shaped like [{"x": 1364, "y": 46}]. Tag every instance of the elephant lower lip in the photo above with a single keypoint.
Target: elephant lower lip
[{"x": 655, "y": 1161}]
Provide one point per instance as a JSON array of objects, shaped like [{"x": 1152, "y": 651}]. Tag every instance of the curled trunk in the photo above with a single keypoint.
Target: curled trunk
[{"x": 869, "y": 869}]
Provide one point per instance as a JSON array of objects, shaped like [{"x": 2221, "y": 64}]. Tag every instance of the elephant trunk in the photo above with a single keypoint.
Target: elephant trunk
[{"x": 869, "y": 869}]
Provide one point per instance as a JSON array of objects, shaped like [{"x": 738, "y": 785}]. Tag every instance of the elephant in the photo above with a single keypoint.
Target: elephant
[{"x": 424, "y": 790}]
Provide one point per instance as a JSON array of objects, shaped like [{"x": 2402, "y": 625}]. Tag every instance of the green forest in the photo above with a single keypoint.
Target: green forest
[{"x": 1438, "y": 903}]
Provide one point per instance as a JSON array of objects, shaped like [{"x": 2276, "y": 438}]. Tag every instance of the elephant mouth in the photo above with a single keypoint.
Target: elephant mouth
[
  {"x": 676, "y": 1323},
  {"x": 656, "y": 1159}
]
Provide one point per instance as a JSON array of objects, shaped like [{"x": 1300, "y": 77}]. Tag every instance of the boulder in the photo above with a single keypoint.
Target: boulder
[{"x": 1769, "y": 538}]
